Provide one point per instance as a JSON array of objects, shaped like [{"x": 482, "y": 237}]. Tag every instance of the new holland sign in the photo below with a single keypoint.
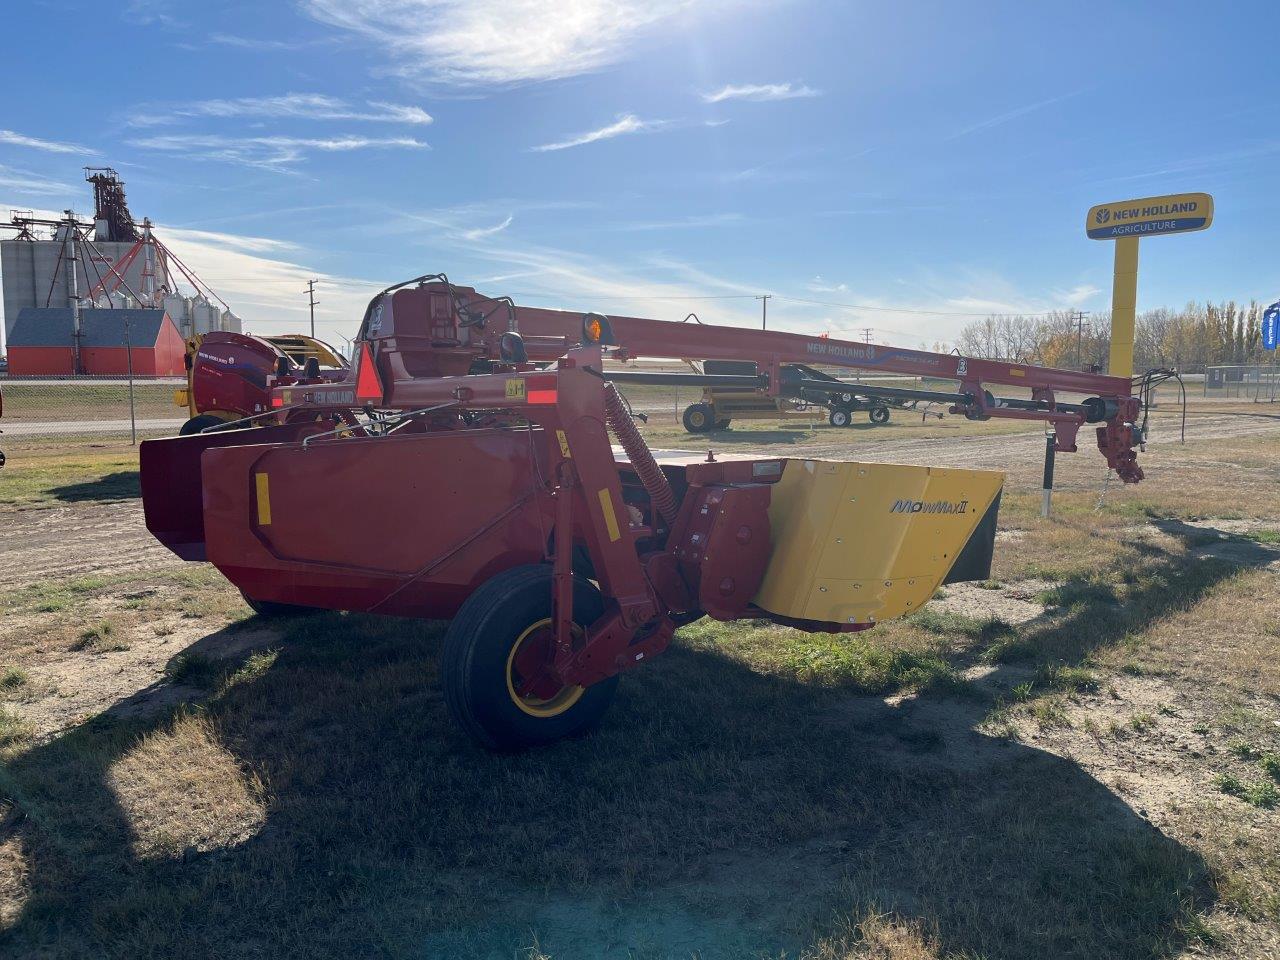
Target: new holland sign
[
  {"x": 1177, "y": 213},
  {"x": 1271, "y": 327},
  {"x": 1127, "y": 222}
]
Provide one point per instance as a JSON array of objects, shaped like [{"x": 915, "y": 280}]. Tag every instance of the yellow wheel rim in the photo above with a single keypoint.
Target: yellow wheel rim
[
  {"x": 697, "y": 418},
  {"x": 530, "y": 703}
]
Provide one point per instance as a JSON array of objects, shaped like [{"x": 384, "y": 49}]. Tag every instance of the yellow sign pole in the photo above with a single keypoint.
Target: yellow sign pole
[{"x": 1124, "y": 307}]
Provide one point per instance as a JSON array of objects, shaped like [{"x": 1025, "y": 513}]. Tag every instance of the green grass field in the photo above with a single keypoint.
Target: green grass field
[{"x": 53, "y": 401}]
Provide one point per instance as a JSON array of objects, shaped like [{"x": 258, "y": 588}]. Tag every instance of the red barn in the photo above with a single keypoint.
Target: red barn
[{"x": 40, "y": 343}]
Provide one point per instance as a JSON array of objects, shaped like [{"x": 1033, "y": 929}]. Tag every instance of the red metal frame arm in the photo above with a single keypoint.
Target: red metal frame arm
[
  {"x": 546, "y": 333},
  {"x": 431, "y": 331}
]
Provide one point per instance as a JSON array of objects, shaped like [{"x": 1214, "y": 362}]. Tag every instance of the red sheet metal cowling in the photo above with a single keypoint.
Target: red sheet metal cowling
[
  {"x": 405, "y": 525},
  {"x": 172, "y": 492}
]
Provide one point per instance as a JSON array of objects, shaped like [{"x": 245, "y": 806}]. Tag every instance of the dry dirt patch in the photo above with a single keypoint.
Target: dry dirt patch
[{"x": 1016, "y": 602}]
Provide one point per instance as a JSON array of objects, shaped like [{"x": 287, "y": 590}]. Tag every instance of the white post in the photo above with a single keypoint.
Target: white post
[{"x": 128, "y": 350}]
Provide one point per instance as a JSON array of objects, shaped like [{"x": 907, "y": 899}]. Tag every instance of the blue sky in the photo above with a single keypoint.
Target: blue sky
[{"x": 927, "y": 162}]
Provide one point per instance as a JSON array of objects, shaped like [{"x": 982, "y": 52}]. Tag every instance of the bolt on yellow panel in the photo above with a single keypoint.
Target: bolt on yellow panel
[{"x": 864, "y": 542}]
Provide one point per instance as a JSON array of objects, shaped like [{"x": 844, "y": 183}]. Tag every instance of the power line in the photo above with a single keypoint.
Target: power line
[
  {"x": 635, "y": 296},
  {"x": 339, "y": 281},
  {"x": 931, "y": 313},
  {"x": 875, "y": 308}
]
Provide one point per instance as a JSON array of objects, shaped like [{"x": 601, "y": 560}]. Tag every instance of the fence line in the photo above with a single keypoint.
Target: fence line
[
  {"x": 121, "y": 405},
  {"x": 1255, "y": 381}
]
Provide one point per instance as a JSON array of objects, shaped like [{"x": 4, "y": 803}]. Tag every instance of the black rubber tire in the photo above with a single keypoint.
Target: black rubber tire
[
  {"x": 839, "y": 417},
  {"x": 699, "y": 418},
  {"x": 473, "y": 664},
  {"x": 196, "y": 424},
  {"x": 879, "y": 415},
  {"x": 723, "y": 424},
  {"x": 270, "y": 609}
]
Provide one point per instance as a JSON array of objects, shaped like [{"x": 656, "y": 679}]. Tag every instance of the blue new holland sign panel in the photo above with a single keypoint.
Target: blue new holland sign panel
[
  {"x": 1271, "y": 326},
  {"x": 1176, "y": 213}
]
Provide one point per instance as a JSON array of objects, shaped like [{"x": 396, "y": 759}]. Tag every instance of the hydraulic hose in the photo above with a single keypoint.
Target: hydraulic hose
[{"x": 642, "y": 462}]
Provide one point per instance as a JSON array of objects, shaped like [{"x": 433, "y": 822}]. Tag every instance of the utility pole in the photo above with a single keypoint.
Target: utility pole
[
  {"x": 311, "y": 297},
  {"x": 1078, "y": 316},
  {"x": 764, "y": 310},
  {"x": 866, "y": 338}
]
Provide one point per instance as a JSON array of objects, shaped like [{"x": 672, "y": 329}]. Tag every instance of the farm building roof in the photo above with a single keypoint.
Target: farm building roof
[{"x": 51, "y": 327}]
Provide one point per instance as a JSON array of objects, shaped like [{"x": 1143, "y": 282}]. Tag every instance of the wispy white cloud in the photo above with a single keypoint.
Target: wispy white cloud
[
  {"x": 1014, "y": 114},
  {"x": 772, "y": 171},
  {"x": 684, "y": 223},
  {"x": 760, "y": 92},
  {"x": 627, "y": 123},
  {"x": 16, "y": 139},
  {"x": 299, "y": 106},
  {"x": 1235, "y": 159},
  {"x": 479, "y": 233},
  {"x": 881, "y": 207},
  {"x": 975, "y": 306},
  {"x": 1078, "y": 294},
  {"x": 151, "y": 12},
  {"x": 263, "y": 281},
  {"x": 499, "y": 42},
  {"x": 256, "y": 43},
  {"x": 819, "y": 285},
  {"x": 32, "y": 183},
  {"x": 233, "y": 241},
  {"x": 273, "y": 153}
]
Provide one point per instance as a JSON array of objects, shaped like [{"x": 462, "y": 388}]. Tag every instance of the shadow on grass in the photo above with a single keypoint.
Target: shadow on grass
[
  {"x": 389, "y": 834},
  {"x": 1094, "y": 613},
  {"x": 860, "y": 424},
  {"x": 121, "y": 485},
  {"x": 748, "y": 434}
]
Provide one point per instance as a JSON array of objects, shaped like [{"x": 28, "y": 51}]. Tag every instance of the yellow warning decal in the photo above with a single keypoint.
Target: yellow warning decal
[
  {"x": 264, "y": 499},
  {"x": 515, "y": 389},
  {"x": 1017, "y": 373},
  {"x": 564, "y": 445},
  {"x": 610, "y": 517}
]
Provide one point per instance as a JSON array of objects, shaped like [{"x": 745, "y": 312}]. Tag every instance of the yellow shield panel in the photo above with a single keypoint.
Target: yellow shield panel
[{"x": 864, "y": 542}]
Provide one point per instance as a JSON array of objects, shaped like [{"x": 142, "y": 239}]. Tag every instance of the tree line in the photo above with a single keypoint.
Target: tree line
[{"x": 1189, "y": 339}]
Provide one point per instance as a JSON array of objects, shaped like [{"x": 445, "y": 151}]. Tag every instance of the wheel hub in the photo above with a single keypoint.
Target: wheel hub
[{"x": 531, "y": 678}]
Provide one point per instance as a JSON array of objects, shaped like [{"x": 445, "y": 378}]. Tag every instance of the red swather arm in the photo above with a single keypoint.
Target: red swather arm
[{"x": 548, "y": 334}]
